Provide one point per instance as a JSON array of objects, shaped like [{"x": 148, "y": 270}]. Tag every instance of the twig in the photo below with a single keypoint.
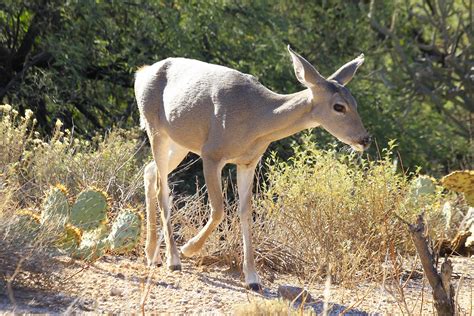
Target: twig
[{"x": 76, "y": 273}]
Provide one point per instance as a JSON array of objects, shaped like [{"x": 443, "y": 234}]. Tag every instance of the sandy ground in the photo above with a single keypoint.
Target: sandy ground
[{"x": 119, "y": 285}]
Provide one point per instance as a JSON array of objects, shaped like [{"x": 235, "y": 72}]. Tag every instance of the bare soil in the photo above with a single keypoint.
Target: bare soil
[{"x": 119, "y": 285}]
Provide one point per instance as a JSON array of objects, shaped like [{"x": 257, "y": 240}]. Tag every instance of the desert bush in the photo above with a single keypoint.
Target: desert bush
[
  {"x": 337, "y": 210},
  {"x": 322, "y": 211},
  {"x": 25, "y": 244},
  {"x": 112, "y": 162}
]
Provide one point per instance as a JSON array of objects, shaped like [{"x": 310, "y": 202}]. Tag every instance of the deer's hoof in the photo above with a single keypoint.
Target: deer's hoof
[
  {"x": 175, "y": 267},
  {"x": 188, "y": 250},
  {"x": 256, "y": 287},
  {"x": 156, "y": 263}
]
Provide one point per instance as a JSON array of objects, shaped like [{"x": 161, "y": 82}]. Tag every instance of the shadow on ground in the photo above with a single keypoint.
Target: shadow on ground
[{"x": 39, "y": 301}]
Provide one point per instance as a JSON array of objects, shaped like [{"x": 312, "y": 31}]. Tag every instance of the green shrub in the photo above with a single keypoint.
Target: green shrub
[{"x": 337, "y": 210}]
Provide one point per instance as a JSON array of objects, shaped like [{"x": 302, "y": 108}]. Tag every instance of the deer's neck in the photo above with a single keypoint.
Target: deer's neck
[{"x": 287, "y": 115}]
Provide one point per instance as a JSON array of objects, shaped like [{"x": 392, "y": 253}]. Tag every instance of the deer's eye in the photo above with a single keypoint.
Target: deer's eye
[{"x": 339, "y": 108}]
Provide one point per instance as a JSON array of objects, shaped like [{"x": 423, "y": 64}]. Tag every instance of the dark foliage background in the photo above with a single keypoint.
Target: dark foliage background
[{"x": 75, "y": 60}]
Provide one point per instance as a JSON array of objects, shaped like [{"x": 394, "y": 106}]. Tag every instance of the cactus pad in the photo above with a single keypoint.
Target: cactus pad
[
  {"x": 125, "y": 233},
  {"x": 90, "y": 210},
  {"x": 28, "y": 220},
  {"x": 422, "y": 185},
  {"x": 462, "y": 182},
  {"x": 55, "y": 207},
  {"x": 70, "y": 239},
  {"x": 93, "y": 245}
]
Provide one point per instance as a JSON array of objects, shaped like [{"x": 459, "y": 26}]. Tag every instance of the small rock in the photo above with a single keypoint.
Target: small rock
[
  {"x": 294, "y": 293},
  {"x": 116, "y": 291},
  {"x": 136, "y": 279},
  {"x": 120, "y": 275},
  {"x": 125, "y": 265}
]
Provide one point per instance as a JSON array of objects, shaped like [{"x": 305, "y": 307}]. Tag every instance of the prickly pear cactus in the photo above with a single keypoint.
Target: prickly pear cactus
[
  {"x": 462, "y": 182},
  {"x": 421, "y": 189},
  {"x": 469, "y": 223},
  {"x": 28, "y": 221},
  {"x": 69, "y": 240},
  {"x": 90, "y": 210},
  {"x": 422, "y": 186},
  {"x": 83, "y": 233},
  {"x": 125, "y": 232},
  {"x": 56, "y": 206},
  {"x": 94, "y": 244}
]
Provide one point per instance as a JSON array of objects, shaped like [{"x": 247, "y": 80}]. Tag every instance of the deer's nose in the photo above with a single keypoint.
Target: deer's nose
[{"x": 366, "y": 141}]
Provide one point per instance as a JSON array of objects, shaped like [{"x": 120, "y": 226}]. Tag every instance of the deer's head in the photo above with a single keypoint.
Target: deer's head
[{"x": 334, "y": 108}]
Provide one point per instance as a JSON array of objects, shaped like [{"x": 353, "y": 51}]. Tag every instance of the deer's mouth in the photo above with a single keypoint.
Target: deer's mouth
[
  {"x": 358, "y": 147},
  {"x": 362, "y": 144}
]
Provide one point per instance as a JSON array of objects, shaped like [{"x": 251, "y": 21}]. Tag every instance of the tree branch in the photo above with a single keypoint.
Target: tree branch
[
  {"x": 40, "y": 58},
  {"x": 443, "y": 292}
]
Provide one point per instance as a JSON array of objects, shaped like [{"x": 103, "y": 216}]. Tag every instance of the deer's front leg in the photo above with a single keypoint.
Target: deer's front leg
[
  {"x": 245, "y": 174},
  {"x": 212, "y": 175}
]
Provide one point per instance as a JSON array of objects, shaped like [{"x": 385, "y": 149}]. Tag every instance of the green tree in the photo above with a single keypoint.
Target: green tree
[{"x": 75, "y": 60}]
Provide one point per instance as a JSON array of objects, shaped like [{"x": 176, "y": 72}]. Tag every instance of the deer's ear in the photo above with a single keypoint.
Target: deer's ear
[
  {"x": 344, "y": 74},
  {"x": 305, "y": 72}
]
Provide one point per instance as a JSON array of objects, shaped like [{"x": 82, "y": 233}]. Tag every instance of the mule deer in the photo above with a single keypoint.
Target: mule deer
[{"x": 226, "y": 116}]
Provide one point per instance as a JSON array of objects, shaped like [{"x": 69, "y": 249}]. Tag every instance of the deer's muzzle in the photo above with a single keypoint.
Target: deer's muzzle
[{"x": 365, "y": 142}]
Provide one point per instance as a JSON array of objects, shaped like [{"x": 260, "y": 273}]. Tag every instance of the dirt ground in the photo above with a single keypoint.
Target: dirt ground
[{"x": 119, "y": 285}]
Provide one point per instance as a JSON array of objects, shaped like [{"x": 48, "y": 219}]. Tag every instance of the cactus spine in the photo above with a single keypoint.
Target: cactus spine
[
  {"x": 93, "y": 245},
  {"x": 28, "y": 221},
  {"x": 70, "y": 239}
]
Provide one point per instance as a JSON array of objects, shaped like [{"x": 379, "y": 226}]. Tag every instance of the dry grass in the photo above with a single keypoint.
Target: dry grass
[
  {"x": 112, "y": 162},
  {"x": 27, "y": 249},
  {"x": 270, "y": 307},
  {"x": 224, "y": 246}
]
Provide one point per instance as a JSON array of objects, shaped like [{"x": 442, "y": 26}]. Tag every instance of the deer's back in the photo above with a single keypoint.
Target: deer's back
[{"x": 188, "y": 99}]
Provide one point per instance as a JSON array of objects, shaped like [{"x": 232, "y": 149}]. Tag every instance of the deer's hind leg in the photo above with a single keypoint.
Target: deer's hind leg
[
  {"x": 166, "y": 155},
  {"x": 176, "y": 154},
  {"x": 152, "y": 249}
]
